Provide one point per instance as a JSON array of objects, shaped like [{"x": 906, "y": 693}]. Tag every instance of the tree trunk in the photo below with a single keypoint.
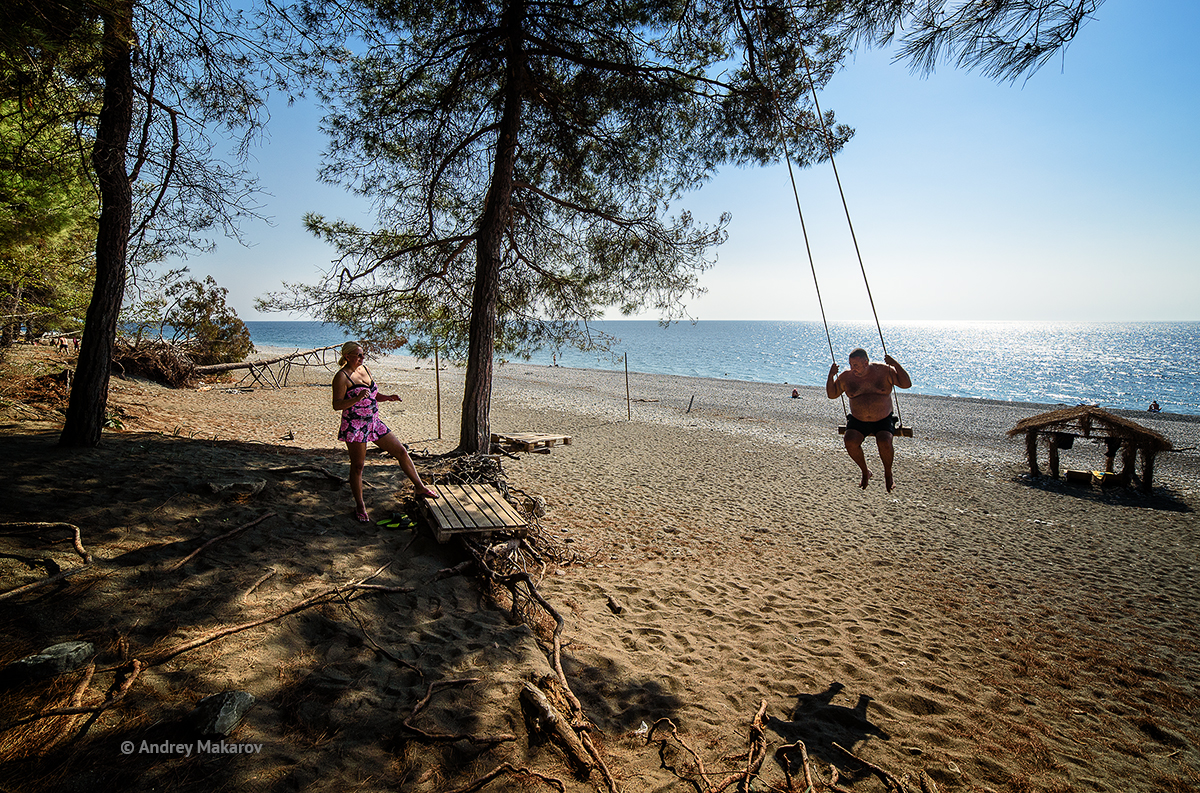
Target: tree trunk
[
  {"x": 475, "y": 428},
  {"x": 89, "y": 394},
  {"x": 11, "y": 308}
]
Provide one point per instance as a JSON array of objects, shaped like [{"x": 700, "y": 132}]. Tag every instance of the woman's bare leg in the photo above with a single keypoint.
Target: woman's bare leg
[
  {"x": 392, "y": 445},
  {"x": 358, "y": 460}
]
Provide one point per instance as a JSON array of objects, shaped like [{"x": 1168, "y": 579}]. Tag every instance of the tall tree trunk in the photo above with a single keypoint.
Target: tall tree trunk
[
  {"x": 89, "y": 394},
  {"x": 475, "y": 428}
]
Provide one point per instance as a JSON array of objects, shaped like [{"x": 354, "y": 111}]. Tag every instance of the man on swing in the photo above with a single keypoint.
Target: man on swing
[{"x": 869, "y": 388}]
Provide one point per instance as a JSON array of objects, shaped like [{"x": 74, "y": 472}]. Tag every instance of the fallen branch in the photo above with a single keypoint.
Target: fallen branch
[
  {"x": 226, "y": 535},
  {"x": 81, "y": 689},
  {"x": 320, "y": 598},
  {"x": 508, "y": 768},
  {"x": 429, "y": 736},
  {"x": 115, "y": 695},
  {"x": 217, "y": 368},
  {"x": 550, "y": 718}
]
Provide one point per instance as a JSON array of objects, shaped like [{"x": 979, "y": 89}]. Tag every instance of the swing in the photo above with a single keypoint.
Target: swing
[{"x": 900, "y": 431}]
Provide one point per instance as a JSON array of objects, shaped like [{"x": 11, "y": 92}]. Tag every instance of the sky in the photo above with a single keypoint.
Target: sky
[{"x": 1071, "y": 195}]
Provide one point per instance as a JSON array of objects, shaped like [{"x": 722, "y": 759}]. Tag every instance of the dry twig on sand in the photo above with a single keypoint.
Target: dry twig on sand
[{"x": 226, "y": 535}]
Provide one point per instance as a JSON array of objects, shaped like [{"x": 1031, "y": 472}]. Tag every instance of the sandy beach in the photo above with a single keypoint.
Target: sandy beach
[{"x": 973, "y": 630}]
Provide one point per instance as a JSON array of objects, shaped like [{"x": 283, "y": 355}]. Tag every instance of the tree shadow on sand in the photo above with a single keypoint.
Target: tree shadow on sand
[{"x": 820, "y": 724}]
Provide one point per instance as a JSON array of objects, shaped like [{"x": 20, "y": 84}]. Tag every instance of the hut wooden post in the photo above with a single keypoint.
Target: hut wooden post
[
  {"x": 1128, "y": 461},
  {"x": 1031, "y": 452},
  {"x": 1110, "y": 454},
  {"x": 1054, "y": 456},
  {"x": 1147, "y": 469}
]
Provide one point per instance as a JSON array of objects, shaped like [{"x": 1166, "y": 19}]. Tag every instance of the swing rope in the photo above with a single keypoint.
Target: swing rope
[
  {"x": 849, "y": 222},
  {"x": 787, "y": 158}
]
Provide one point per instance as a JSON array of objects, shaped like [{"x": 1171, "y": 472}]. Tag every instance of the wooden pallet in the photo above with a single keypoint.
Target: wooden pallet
[
  {"x": 899, "y": 432},
  {"x": 529, "y": 441},
  {"x": 463, "y": 509}
]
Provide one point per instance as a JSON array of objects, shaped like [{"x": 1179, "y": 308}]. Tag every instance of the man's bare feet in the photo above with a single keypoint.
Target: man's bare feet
[
  {"x": 866, "y": 477},
  {"x": 887, "y": 480},
  {"x": 424, "y": 492}
]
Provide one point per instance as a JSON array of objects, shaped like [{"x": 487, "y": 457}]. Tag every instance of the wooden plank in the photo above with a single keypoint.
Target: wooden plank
[
  {"x": 529, "y": 441},
  {"x": 899, "y": 432},
  {"x": 470, "y": 508}
]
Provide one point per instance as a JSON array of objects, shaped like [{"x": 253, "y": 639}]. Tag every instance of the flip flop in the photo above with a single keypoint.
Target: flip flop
[{"x": 362, "y": 516}]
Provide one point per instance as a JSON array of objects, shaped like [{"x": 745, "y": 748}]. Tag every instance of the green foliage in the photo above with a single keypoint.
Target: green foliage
[
  {"x": 197, "y": 315},
  {"x": 610, "y": 113}
]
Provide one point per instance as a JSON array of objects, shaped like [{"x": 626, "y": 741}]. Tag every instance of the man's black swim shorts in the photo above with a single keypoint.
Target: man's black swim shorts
[{"x": 887, "y": 424}]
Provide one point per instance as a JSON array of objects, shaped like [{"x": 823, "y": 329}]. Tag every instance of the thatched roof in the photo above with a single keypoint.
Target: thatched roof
[{"x": 1082, "y": 421}]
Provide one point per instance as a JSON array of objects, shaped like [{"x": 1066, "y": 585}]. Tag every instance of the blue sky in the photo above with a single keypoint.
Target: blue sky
[{"x": 1072, "y": 195}]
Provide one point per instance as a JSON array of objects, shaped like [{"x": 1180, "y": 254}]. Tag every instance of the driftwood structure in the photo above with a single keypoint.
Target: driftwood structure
[
  {"x": 1060, "y": 428},
  {"x": 260, "y": 371}
]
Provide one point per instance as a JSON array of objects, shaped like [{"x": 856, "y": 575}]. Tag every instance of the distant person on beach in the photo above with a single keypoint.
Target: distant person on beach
[
  {"x": 355, "y": 394},
  {"x": 869, "y": 389},
  {"x": 1154, "y": 408},
  {"x": 795, "y": 393}
]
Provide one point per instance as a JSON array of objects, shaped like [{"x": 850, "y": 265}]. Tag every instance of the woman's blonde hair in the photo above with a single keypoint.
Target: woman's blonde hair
[{"x": 347, "y": 348}]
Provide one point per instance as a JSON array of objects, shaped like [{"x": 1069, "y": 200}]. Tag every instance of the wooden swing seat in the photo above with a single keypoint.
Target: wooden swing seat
[{"x": 899, "y": 432}]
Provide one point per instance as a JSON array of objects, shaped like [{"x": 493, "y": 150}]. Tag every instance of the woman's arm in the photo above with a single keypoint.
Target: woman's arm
[{"x": 341, "y": 384}]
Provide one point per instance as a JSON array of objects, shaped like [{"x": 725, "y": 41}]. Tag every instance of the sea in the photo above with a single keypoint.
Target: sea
[{"x": 1116, "y": 365}]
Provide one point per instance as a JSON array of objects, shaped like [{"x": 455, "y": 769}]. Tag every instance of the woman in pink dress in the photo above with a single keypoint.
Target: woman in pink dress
[{"x": 355, "y": 394}]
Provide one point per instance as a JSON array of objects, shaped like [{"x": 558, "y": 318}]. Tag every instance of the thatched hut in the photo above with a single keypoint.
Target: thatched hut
[{"x": 1060, "y": 428}]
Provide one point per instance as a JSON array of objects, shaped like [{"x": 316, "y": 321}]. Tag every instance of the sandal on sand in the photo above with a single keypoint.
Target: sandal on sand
[{"x": 362, "y": 516}]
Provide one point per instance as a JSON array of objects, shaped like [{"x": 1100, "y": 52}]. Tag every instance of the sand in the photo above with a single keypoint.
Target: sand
[{"x": 975, "y": 627}]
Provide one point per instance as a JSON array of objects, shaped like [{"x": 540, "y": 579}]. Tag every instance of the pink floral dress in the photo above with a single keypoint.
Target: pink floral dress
[{"x": 360, "y": 421}]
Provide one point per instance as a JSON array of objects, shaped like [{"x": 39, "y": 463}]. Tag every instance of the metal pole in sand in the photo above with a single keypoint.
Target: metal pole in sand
[
  {"x": 437, "y": 378},
  {"x": 628, "y": 407}
]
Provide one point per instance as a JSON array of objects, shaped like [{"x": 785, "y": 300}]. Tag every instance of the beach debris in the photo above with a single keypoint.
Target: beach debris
[
  {"x": 55, "y": 660},
  {"x": 614, "y": 606},
  {"x": 543, "y": 717},
  {"x": 219, "y": 715}
]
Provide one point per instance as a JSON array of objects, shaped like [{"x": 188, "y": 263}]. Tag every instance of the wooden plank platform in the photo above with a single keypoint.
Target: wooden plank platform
[
  {"x": 470, "y": 509},
  {"x": 529, "y": 441},
  {"x": 899, "y": 432}
]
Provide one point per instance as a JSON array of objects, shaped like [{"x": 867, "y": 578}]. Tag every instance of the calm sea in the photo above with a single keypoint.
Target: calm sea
[{"x": 1111, "y": 364}]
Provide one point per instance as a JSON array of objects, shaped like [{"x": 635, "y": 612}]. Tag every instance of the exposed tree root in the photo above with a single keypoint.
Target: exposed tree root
[
  {"x": 429, "y": 736},
  {"x": 512, "y": 770},
  {"x": 226, "y": 535},
  {"x": 115, "y": 695},
  {"x": 320, "y": 598}
]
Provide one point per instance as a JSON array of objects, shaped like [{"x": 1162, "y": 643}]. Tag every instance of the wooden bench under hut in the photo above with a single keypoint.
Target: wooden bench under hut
[{"x": 1060, "y": 428}]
